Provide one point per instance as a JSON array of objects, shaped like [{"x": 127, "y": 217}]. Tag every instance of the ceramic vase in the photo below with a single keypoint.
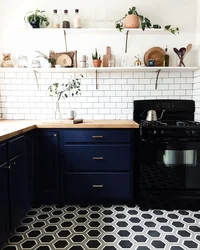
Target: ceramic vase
[{"x": 132, "y": 21}]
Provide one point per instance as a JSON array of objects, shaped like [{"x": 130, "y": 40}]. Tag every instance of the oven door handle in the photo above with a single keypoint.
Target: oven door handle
[{"x": 155, "y": 142}]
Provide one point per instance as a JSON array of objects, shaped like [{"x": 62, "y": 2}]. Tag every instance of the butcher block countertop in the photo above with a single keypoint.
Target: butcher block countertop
[{"x": 10, "y": 128}]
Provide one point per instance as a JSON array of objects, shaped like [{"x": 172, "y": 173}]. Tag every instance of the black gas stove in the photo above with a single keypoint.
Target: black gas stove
[
  {"x": 171, "y": 128},
  {"x": 169, "y": 152}
]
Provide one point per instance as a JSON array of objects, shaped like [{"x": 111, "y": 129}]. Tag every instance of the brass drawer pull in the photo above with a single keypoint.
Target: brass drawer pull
[
  {"x": 97, "y": 136},
  {"x": 97, "y": 186},
  {"x": 55, "y": 135},
  {"x": 97, "y": 158}
]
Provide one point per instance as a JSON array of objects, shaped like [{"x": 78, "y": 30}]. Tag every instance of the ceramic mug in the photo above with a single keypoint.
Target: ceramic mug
[
  {"x": 84, "y": 58},
  {"x": 151, "y": 62},
  {"x": 83, "y": 64},
  {"x": 71, "y": 115}
]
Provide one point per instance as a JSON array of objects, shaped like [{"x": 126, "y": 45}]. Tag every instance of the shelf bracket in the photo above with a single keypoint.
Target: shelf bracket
[
  {"x": 36, "y": 78},
  {"x": 126, "y": 44},
  {"x": 158, "y": 72},
  {"x": 65, "y": 38},
  {"x": 96, "y": 78}
]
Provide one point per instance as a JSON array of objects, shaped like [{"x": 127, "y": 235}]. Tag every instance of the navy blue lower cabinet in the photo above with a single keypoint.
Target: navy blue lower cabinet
[
  {"x": 4, "y": 204},
  {"x": 30, "y": 164},
  {"x": 18, "y": 189},
  {"x": 106, "y": 157},
  {"x": 47, "y": 167},
  {"x": 97, "y": 187}
]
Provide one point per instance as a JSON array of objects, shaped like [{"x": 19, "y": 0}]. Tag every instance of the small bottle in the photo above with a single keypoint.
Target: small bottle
[
  {"x": 65, "y": 20},
  {"x": 166, "y": 59},
  {"x": 77, "y": 19},
  {"x": 55, "y": 20}
]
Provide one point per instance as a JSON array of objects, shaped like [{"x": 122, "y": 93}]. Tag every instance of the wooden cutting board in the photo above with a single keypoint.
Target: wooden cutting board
[{"x": 105, "y": 57}]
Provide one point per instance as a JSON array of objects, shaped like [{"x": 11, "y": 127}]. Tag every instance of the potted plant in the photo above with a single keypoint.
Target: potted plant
[
  {"x": 65, "y": 90},
  {"x": 36, "y": 19},
  {"x": 133, "y": 20},
  {"x": 50, "y": 60},
  {"x": 96, "y": 59}
]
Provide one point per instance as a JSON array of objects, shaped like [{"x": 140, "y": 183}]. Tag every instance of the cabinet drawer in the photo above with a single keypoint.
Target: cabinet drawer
[
  {"x": 3, "y": 153},
  {"x": 97, "y": 187},
  {"x": 97, "y": 135},
  {"x": 97, "y": 157},
  {"x": 16, "y": 146}
]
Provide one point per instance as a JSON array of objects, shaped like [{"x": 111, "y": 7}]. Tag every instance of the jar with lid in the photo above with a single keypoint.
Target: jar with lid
[
  {"x": 65, "y": 20},
  {"x": 22, "y": 61},
  {"x": 77, "y": 19},
  {"x": 55, "y": 19}
]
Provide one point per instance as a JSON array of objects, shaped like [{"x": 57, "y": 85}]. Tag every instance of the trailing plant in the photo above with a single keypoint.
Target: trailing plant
[
  {"x": 95, "y": 56},
  {"x": 36, "y": 16},
  {"x": 48, "y": 58},
  {"x": 145, "y": 22},
  {"x": 65, "y": 90}
]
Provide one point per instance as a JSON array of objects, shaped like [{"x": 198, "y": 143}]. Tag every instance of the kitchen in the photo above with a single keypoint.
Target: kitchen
[{"x": 111, "y": 96}]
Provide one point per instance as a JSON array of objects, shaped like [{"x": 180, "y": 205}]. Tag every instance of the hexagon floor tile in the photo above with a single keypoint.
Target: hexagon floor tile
[{"x": 106, "y": 227}]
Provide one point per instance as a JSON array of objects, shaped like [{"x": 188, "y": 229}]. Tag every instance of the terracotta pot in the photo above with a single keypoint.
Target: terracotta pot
[
  {"x": 97, "y": 63},
  {"x": 132, "y": 21}
]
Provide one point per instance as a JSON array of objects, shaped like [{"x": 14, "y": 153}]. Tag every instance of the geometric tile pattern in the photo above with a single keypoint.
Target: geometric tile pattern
[{"x": 106, "y": 227}]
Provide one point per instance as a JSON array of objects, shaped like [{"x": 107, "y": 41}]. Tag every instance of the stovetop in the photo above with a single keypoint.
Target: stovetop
[
  {"x": 170, "y": 124},
  {"x": 169, "y": 129}
]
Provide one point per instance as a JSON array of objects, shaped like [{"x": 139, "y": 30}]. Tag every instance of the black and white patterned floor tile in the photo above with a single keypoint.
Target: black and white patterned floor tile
[{"x": 107, "y": 228}]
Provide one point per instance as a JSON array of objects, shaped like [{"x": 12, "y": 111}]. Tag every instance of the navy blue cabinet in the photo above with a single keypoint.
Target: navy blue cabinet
[
  {"x": 96, "y": 165},
  {"x": 30, "y": 164},
  {"x": 47, "y": 167},
  {"x": 18, "y": 189},
  {"x": 4, "y": 194}
]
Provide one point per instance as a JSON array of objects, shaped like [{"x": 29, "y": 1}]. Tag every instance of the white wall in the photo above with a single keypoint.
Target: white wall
[
  {"x": 16, "y": 41},
  {"x": 198, "y": 32}
]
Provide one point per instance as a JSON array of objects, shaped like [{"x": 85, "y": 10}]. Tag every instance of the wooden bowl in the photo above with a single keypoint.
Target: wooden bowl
[{"x": 155, "y": 53}]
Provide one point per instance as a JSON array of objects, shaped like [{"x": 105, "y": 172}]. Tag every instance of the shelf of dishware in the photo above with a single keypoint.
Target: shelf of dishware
[
  {"x": 99, "y": 70},
  {"x": 109, "y": 31}
]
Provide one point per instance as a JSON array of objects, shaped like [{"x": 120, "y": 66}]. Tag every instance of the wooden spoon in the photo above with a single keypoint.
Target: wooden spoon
[
  {"x": 179, "y": 55},
  {"x": 188, "y": 48}
]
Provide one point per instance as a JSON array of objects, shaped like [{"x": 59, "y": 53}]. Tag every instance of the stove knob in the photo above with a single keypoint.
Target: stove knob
[
  {"x": 162, "y": 132},
  {"x": 155, "y": 132},
  {"x": 193, "y": 132}
]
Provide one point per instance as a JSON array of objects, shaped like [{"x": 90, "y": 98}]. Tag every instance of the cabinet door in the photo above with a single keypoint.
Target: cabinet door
[
  {"x": 4, "y": 204},
  {"x": 18, "y": 189},
  {"x": 47, "y": 167},
  {"x": 30, "y": 163}
]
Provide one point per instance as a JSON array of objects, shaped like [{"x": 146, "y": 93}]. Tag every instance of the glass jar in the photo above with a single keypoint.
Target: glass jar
[
  {"x": 65, "y": 20},
  {"x": 77, "y": 19},
  {"x": 35, "y": 63},
  {"x": 22, "y": 61},
  {"x": 55, "y": 20}
]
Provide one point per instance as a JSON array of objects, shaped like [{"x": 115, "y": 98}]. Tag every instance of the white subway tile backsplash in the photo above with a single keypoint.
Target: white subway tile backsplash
[
  {"x": 113, "y": 98},
  {"x": 115, "y": 75}
]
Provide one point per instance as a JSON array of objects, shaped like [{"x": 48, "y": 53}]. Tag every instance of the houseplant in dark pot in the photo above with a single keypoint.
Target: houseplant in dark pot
[
  {"x": 36, "y": 18},
  {"x": 96, "y": 59}
]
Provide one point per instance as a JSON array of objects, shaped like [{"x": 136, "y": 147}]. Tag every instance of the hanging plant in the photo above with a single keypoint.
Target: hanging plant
[{"x": 144, "y": 21}]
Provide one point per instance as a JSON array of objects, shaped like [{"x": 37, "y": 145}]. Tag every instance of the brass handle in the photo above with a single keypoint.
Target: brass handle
[
  {"x": 9, "y": 167},
  {"x": 97, "y": 186},
  {"x": 97, "y": 136},
  {"x": 55, "y": 135},
  {"x": 97, "y": 158}
]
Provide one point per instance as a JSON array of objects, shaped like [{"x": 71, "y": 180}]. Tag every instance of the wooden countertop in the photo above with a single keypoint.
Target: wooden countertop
[{"x": 10, "y": 128}]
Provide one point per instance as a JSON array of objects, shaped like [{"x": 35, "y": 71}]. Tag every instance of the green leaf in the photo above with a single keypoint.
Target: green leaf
[
  {"x": 143, "y": 26},
  {"x": 167, "y": 27},
  {"x": 141, "y": 18}
]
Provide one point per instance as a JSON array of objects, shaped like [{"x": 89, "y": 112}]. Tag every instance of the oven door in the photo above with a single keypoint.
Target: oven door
[{"x": 170, "y": 165}]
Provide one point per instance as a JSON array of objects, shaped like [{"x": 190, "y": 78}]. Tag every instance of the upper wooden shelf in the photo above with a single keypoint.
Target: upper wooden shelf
[
  {"x": 101, "y": 69},
  {"x": 109, "y": 31}
]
